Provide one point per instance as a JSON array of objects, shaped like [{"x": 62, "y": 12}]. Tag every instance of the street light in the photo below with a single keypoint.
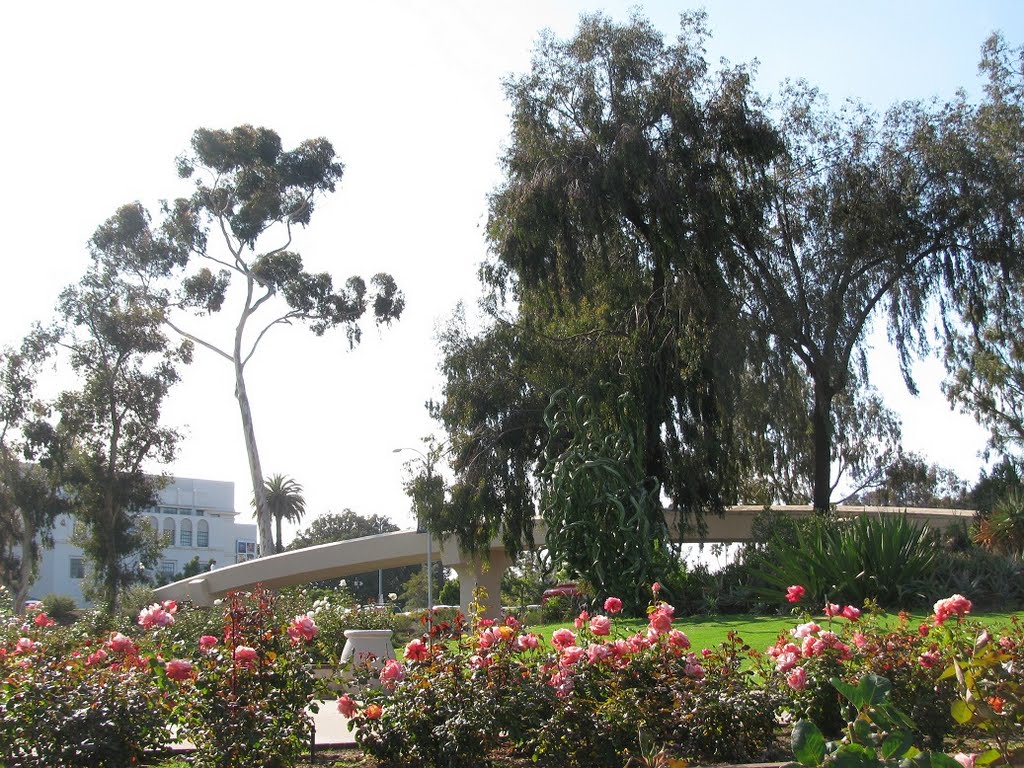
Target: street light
[{"x": 420, "y": 524}]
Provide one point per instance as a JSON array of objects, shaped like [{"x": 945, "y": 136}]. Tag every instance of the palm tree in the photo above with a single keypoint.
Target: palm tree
[{"x": 284, "y": 501}]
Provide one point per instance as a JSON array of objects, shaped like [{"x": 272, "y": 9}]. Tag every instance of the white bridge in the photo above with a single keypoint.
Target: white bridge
[{"x": 391, "y": 550}]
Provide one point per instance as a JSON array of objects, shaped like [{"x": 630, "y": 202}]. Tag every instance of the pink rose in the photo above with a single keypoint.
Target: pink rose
[
  {"x": 929, "y": 659},
  {"x": 206, "y": 642},
  {"x": 25, "y": 645},
  {"x": 570, "y": 655},
  {"x": 119, "y": 643},
  {"x": 805, "y": 630},
  {"x": 525, "y": 642},
  {"x": 179, "y": 669},
  {"x": 601, "y": 625},
  {"x": 795, "y": 593},
  {"x": 797, "y": 679},
  {"x": 170, "y": 606},
  {"x": 245, "y": 655},
  {"x": 786, "y": 661},
  {"x": 391, "y": 673},
  {"x": 42, "y": 620},
  {"x": 967, "y": 761},
  {"x": 694, "y": 669},
  {"x": 346, "y": 706},
  {"x": 832, "y": 609},
  {"x": 562, "y": 638},
  {"x": 859, "y": 639},
  {"x": 656, "y": 588},
  {"x": 96, "y": 657},
  {"x": 678, "y": 639},
  {"x": 851, "y": 613},
  {"x": 581, "y": 620},
  {"x": 613, "y": 605},
  {"x": 598, "y": 652},
  {"x": 303, "y": 628},
  {"x": 955, "y": 605},
  {"x": 155, "y": 616},
  {"x": 416, "y": 650}
]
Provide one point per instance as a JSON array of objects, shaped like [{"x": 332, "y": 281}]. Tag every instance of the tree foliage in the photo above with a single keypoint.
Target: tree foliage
[
  {"x": 111, "y": 424},
  {"x": 29, "y": 501},
  {"x": 983, "y": 148},
  {"x": 251, "y": 194},
  {"x": 664, "y": 231},
  {"x": 607, "y": 235}
]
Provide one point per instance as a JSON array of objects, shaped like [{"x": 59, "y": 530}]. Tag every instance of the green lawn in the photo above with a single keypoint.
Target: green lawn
[{"x": 758, "y": 632}]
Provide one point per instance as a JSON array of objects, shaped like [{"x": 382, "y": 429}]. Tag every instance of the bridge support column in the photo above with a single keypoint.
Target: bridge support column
[{"x": 475, "y": 572}]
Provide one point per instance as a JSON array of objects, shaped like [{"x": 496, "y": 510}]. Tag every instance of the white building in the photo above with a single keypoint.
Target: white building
[{"x": 196, "y": 519}]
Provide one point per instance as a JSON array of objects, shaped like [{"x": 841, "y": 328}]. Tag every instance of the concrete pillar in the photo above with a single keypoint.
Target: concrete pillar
[{"x": 475, "y": 572}]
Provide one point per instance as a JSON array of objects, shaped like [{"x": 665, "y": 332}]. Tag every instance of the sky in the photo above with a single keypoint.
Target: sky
[{"x": 101, "y": 97}]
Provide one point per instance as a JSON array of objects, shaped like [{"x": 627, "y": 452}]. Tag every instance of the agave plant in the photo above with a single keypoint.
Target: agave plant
[
  {"x": 1002, "y": 531},
  {"x": 885, "y": 558}
]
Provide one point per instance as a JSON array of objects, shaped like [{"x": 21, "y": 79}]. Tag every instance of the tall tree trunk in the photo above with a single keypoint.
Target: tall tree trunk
[
  {"x": 263, "y": 521},
  {"x": 28, "y": 544},
  {"x": 821, "y": 427}
]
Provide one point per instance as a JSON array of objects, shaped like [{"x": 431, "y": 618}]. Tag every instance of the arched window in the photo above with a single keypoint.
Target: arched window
[
  {"x": 185, "y": 534},
  {"x": 203, "y": 534},
  {"x": 168, "y": 531}
]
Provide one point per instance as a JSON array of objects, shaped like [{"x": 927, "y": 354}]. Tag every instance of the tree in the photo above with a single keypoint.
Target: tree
[
  {"x": 254, "y": 194},
  {"x": 607, "y": 233},
  {"x": 112, "y": 423},
  {"x": 285, "y": 501},
  {"x": 347, "y": 525},
  {"x": 983, "y": 145},
  {"x": 910, "y": 481},
  {"x": 29, "y": 500}
]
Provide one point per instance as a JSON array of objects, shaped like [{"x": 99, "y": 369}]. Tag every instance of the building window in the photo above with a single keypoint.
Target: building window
[
  {"x": 168, "y": 568},
  {"x": 200, "y": 512},
  {"x": 244, "y": 550},
  {"x": 183, "y": 511},
  {"x": 203, "y": 534},
  {"x": 185, "y": 535},
  {"x": 168, "y": 531},
  {"x": 168, "y": 511},
  {"x": 77, "y": 568}
]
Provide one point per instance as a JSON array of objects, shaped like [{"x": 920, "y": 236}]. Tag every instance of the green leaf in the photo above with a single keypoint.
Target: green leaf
[
  {"x": 940, "y": 760},
  {"x": 851, "y": 693},
  {"x": 986, "y": 757},
  {"x": 896, "y": 745},
  {"x": 961, "y": 711},
  {"x": 854, "y": 756},
  {"x": 808, "y": 743}
]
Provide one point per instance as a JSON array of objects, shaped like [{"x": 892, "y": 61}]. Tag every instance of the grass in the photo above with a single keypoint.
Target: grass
[{"x": 758, "y": 632}]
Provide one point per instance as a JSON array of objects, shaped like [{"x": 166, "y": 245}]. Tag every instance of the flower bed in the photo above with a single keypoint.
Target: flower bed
[{"x": 470, "y": 689}]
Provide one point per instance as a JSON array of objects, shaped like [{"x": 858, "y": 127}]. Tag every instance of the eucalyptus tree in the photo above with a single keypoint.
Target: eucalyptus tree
[
  {"x": 980, "y": 151},
  {"x": 250, "y": 196},
  {"x": 29, "y": 464},
  {"x": 111, "y": 425}
]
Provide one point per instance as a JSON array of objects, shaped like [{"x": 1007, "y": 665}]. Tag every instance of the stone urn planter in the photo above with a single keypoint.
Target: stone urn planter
[{"x": 362, "y": 645}]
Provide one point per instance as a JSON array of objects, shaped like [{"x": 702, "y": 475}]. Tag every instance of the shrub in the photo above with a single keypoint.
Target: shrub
[
  {"x": 240, "y": 697},
  {"x": 60, "y": 608},
  {"x": 591, "y": 699},
  {"x": 95, "y": 707}
]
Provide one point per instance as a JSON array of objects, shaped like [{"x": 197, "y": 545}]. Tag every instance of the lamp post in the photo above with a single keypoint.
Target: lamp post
[{"x": 420, "y": 524}]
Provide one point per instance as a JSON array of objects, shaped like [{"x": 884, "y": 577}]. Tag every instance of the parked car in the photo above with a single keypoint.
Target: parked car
[
  {"x": 33, "y": 605},
  {"x": 567, "y": 589}
]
